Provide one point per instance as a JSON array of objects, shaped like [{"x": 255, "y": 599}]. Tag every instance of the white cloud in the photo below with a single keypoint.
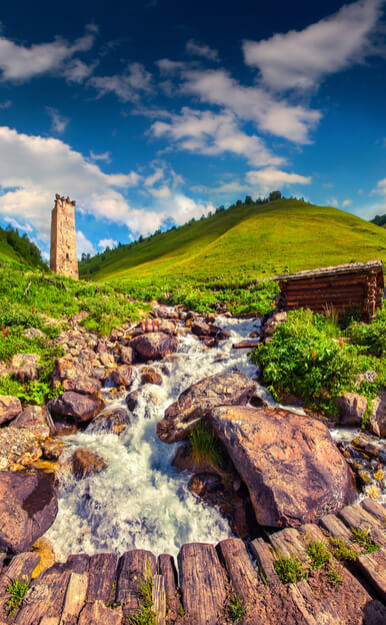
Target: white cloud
[
  {"x": 380, "y": 188},
  {"x": 205, "y": 132},
  {"x": 293, "y": 122},
  {"x": 346, "y": 203},
  {"x": 77, "y": 71},
  {"x": 103, "y": 243},
  {"x": 333, "y": 202},
  {"x": 15, "y": 224},
  {"x": 59, "y": 122},
  {"x": 301, "y": 59},
  {"x": 169, "y": 68},
  {"x": 104, "y": 156},
  {"x": 269, "y": 178},
  {"x": 195, "y": 48},
  {"x": 6, "y": 104},
  {"x": 127, "y": 86},
  {"x": 20, "y": 63},
  {"x": 83, "y": 245}
]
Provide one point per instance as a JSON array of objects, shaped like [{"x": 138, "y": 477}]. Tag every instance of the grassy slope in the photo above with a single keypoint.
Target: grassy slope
[
  {"x": 250, "y": 242},
  {"x": 8, "y": 254}
]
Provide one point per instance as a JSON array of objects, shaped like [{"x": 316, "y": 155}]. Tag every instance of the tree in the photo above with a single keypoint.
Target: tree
[
  {"x": 248, "y": 200},
  {"x": 274, "y": 195}
]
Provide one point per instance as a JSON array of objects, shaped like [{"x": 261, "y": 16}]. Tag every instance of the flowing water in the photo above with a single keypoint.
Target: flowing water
[{"x": 140, "y": 500}]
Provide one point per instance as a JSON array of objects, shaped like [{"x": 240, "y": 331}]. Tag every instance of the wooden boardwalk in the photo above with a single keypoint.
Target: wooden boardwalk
[{"x": 207, "y": 582}]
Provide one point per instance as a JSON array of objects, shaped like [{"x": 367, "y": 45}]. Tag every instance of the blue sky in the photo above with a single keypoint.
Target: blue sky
[{"x": 153, "y": 112}]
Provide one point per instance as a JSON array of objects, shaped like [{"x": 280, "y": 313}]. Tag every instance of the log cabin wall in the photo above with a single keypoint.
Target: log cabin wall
[{"x": 344, "y": 288}]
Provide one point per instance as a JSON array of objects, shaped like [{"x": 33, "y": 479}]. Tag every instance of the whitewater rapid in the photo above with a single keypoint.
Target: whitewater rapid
[{"x": 140, "y": 500}]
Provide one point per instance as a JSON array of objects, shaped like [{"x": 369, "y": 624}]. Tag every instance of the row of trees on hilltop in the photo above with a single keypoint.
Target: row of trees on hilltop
[{"x": 25, "y": 248}]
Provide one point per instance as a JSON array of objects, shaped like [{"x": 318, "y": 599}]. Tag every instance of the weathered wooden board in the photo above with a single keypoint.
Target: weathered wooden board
[
  {"x": 78, "y": 563},
  {"x": 245, "y": 345},
  {"x": 159, "y": 599},
  {"x": 355, "y": 516},
  {"x": 262, "y": 551},
  {"x": 203, "y": 583},
  {"x": 373, "y": 566},
  {"x": 50, "y": 620},
  {"x": 288, "y": 543},
  {"x": 167, "y": 569},
  {"x": 45, "y": 597},
  {"x": 97, "y": 613},
  {"x": 101, "y": 577},
  {"x": 335, "y": 527},
  {"x": 133, "y": 568},
  {"x": 376, "y": 510},
  {"x": 244, "y": 579},
  {"x": 20, "y": 566},
  {"x": 75, "y": 598}
]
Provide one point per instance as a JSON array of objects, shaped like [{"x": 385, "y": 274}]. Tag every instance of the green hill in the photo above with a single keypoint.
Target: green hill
[
  {"x": 19, "y": 249},
  {"x": 246, "y": 242}
]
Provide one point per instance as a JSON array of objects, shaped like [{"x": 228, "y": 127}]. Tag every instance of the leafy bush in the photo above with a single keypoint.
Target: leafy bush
[{"x": 371, "y": 335}]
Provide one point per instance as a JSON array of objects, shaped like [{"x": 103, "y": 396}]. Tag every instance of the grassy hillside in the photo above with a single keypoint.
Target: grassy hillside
[{"x": 245, "y": 243}]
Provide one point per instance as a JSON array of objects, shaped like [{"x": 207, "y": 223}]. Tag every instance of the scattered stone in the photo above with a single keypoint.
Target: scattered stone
[
  {"x": 210, "y": 333},
  {"x": 123, "y": 375},
  {"x": 352, "y": 407},
  {"x": 34, "y": 418},
  {"x": 378, "y": 415},
  {"x": 10, "y": 407},
  {"x": 196, "y": 402},
  {"x": 86, "y": 462},
  {"x": 163, "y": 312},
  {"x": 28, "y": 507},
  {"x": 52, "y": 450},
  {"x": 78, "y": 317},
  {"x": 132, "y": 400},
  {"x": 62, "y": 428},
  {"x": 293, "y": 470},
  {"x": 34, "y": 333},
  {"x": 72, "y": 405},
  {"x": 16, "y": 444},
  {"x": 107, "y": 359},
  {"x": 110, "y": 421},
  {"x": 126, "y": 355},
  {"x": 150, "y": 376},
  {"x": 25, "y": 366},
  {"x": 84, "y": 384},
  {"x": 368, "y": 376},
  {"x": 270, "y": 325},
  {"x": 154, "y": 346}
]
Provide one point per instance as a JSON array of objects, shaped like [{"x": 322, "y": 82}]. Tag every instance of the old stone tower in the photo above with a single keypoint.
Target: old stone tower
[{"x": 63, "y": 257}]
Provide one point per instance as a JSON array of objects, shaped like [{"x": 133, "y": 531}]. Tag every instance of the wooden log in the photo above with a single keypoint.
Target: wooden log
[
  {"x": 246, "y": 345},
  {"x": 50, "y": 620},
  {"x": 203, "y": 583},
  {"x": 75, "y": 598},
  {"x": 20, "y": 567},
  {"x": 97, "y": 613},
  {"x": 78, "y": 563},
  {"x": 287, "y": 543},
  {"x": 375, "y": 509},
  {"x": 167, "y": 569},
  {"x": 102, "y": 577},
  {"x": 338, "y": 529},
  {"x": 244, "y": 579},
  {"x": 358, "y": 518},
  {"x": 263, "y": 554},
  {"x": 373, "y": 566},
  {"x": 159, "y": 599},
  {"x": 45, "y": 597},
  {"x": 134, "y": 567}
]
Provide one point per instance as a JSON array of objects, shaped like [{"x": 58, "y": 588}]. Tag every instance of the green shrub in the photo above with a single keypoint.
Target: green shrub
[
  {"x": 17, "y": 589},
  {"x": 289, "y": 570},
  {"x": 372, "y": 336},
  {"x": 206, "y": 447},
  {"x": 363, "y": 538},
  {"x": 343, "y": 551},
  {"x": 237, "y": 609},
  {"x": 146, "y": 615},
  {"x": 318, "y": 554}
]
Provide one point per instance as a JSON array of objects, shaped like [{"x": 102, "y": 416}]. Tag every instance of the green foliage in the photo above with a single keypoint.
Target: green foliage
[
  {"x": 334, "y": 576},
  {"x": 363, "y": 538},
  {"x": 305, "y": 358},
  {"x": 318, "y": 554},
  {"x": 289, "y": 570},
  {"x": 22, "y": 248},
  {"x": 237, "y": 608},
  {"x": 146, "y": 614},
  {"x": 37, "y": 392},
  {"x": 206, "y": 447},
  {"x": 17, "y": 589},
  {"x": 343, "y": 551},
  {"x": 380, "y": 220},
  {"x": 372, "y": 336}
]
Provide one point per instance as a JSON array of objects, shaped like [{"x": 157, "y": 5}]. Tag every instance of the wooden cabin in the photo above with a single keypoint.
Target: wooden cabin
[{"x": 344, "y": 288}]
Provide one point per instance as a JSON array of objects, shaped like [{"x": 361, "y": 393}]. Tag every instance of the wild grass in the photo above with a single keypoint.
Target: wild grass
[
  {"x": 206, "y": 447},
  {"x": 363, "y": 538},
  {"x": 289, "y": 570},
  {"x": 146, "y": 614},
  {"x": 17, "y": 589},
  {"x": 237, "y": 608},
  {"x": 342, "y": 550},
  {"x": 318, "y": 554}
]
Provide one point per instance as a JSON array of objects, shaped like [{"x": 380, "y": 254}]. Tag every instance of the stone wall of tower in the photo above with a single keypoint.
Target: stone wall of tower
[{"x": 63, "y": 256}]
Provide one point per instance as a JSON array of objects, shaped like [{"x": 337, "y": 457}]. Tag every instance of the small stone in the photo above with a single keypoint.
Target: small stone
[
  {"x": 352, "y": 407},
  {"x": 107, "y": 359},
  {"x": 126, "y": 355},
  {"x": 150, "y": 376},
  {"x": 379, "y": 475},
  {"x": 76, "y": 406},
  {"x": 25, "y": 366},
  {"x": 132, "y": 400},
  {"x": 86, "y": 462},
  {"x": 34, "y": 333},
  {"x": 10, "y": 407},
  {"x": 123, "y": 375}
]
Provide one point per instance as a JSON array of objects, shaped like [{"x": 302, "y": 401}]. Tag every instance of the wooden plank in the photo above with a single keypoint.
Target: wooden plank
[
  {"x": 45, "y": 597},
  {"x": 159, "y": 599},
  {"x": 167, "y": 569},
  {"x": 133, "y": 568},
  {"x": 375, "y": 509},
  {"x": 287, "y": 543},
  {"x": 335, "y": 527},
  {"x": 203, "y": 583},
  {"x": 97, "y": 613},
  {"x": 50, "y": 620},
  {"x": 263, "y": 554},
  {"x": 102, "y": 577},
  {"x": 246, "y": 345},
  {"x": 78, "y": 563},
  {"x": 75, "y": 598},
  {"x": 244, "y": 579},
  {"x": 373, "y": 566},
  {"x": 355, "y": 516},
  {"x": 21, "y": 566}
]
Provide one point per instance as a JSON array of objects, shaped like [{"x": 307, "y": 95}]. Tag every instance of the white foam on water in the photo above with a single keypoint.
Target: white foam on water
[{"x": 140, "y": 500}]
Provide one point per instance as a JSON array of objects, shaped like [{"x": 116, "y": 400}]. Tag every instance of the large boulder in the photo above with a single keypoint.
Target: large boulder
[
  {"x": 197, "y": 401},
  {"x": 352, "y": 407},
  {"x": 34, "y": 419},
  {"x": 111, "y": 421},
  {"x": 123, "y": 375},
  {"x": 28, "y": 507},
  {"x": 378, "y": 415},
  {"x": 293, "y": 470},
  {"x": 83, "y": 384},
  {"x": 153, "y": 345},
  {"x": 10, "y": 407},
  {"x": 75, "y": 406},
  {"x": 86, "y": 462}
]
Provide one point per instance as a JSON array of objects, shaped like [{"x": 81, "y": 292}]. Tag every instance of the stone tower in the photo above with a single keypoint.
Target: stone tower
[{"x": 63, "y": 257}]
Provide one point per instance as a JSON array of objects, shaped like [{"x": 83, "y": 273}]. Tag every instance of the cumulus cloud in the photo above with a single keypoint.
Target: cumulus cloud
[
  {"x": 21, "y": 63},
  {"x": 127, "y": 86},
  {"x": 205, "y": 132},
  {"x": 83, "y": 245},
  {"x": 301, "y": 59},
  {"x": 278, "y": 117},
  {"x": 346, "y": 203},
  {"x": 380, "y": 188},
  {"x": 195, "y": 48},
  {"x": 59, "y": 122},
  {"x": 270, "y": 178},
  {"x": 333, "y": 202},
  {"x": 103, "y": 243},
  {"x": 15, "y": 224}
]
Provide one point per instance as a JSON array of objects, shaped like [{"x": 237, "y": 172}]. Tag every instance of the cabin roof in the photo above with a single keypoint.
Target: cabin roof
[{"x": 334, "y": 270}]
